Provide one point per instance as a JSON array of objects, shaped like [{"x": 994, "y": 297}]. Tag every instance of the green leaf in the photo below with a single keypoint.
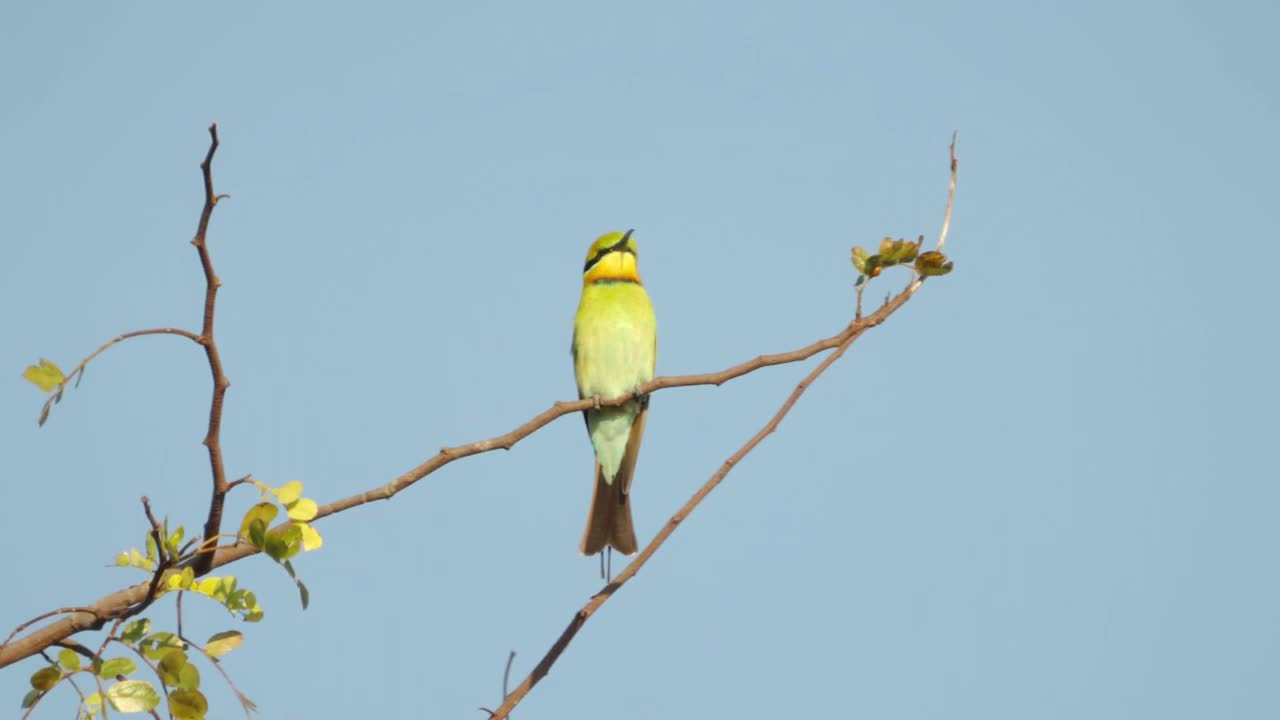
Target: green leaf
[
  {"x": 284, "y": 544},
  {"x": 238, "y": 600},
  {"x": 289, "y": 492},
  {"x": 933, "y": 263},
  {"x": 274, "y": 546},
  {"x": 157, "y": 645},
  {"x": 117, "y": 666},
  {"x": 860, "y": 259},
  {"x": 134, "y": 631},
  {"x": 170, "y": 667},
  {"x": 174, "y": 543},
  {"x": 69, "y": 659},
  {"x": 45, "y": 376},
  {"x": 224, "y": 642},
  {"x": 302, "y": 509},
  {"x": 45, "y": 678},
  {"x": 188, "y": 704},
  {"x": 900, "y": 251},
  {"x": 256, "y": 521},
  {"x": 304, "y": 593},
  {"x": 130, "y": 696},
  {"x": 30, "y": 698},
  {"x": 189, "y": 677}
]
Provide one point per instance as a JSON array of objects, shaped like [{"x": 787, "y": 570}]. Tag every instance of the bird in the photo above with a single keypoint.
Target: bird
[{"x": 615, "y": 349}]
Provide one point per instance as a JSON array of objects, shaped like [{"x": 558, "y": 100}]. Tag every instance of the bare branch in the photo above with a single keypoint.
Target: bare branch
[
  {"x": 212, "y": 439},
  {"x": 951, "y": 196},
  {"x": 163, "y": 563}
]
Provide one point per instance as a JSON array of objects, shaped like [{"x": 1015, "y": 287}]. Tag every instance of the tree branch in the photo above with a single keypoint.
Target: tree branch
[
  {"x": 212, "y": 439},
  {"x": 109, "y": 607}
]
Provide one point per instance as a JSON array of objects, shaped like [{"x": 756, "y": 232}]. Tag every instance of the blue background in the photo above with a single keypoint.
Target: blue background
[{"x": 1046, "y": 488}]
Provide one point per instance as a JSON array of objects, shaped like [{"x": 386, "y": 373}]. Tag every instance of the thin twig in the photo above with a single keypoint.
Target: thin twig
[
  {"x": 76, "y": 647},
  {"x": 245, "y": 702},
  {"x": 212, "y": 439},
  {"x": 506, "y": 674},
  {"x": 79, "y": 369},
  {"x": 102, "y": 692},
  {"x": 110, "y": 634},
  {"x": 163, "y": 563},
  {"x": 45, "y": 616},
  {"x": 951, "y": 194},
  {"x": 506, "y": 677}
]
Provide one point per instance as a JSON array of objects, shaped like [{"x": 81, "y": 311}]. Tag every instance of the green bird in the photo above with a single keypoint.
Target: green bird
[{"x": 615, "y": 346}]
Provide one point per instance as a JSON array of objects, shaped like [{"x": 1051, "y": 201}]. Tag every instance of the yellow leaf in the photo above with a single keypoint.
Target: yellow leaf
[
  {"x": 45, "y": 376},
  {"x": 224, "y": 642},
  {"x": 302, "y": 509},
  {"x": 289, "y": 492},
  {"x": 310, "y": 538}
]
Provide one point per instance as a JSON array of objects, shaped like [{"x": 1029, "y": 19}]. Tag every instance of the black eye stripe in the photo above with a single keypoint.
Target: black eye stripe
[{"x": 620, "y": 246}]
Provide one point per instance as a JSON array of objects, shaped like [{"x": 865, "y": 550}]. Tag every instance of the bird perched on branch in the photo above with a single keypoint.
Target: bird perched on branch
[{"x": 615, "y": 346}]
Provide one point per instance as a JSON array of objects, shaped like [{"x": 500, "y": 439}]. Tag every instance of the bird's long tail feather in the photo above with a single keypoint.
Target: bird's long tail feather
[{"x": 609, "y": 521}]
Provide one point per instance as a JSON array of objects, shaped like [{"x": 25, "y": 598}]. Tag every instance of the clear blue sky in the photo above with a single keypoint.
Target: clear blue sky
[{"x": 1045, "y": 489}]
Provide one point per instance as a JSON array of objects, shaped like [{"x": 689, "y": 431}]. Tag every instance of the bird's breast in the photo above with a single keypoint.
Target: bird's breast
[{"x": 614, "y": 348}]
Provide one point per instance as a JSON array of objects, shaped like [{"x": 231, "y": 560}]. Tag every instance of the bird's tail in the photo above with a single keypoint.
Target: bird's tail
[{"x": 609, "y": 521}]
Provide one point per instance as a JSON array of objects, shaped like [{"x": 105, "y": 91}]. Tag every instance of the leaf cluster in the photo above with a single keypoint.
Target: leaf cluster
[
  {"x": 167, "y": 555},
  {"x": 283, "y": 543},
  {"x": 164, "y": 653},
  {"x": 899, "y": 252}
]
